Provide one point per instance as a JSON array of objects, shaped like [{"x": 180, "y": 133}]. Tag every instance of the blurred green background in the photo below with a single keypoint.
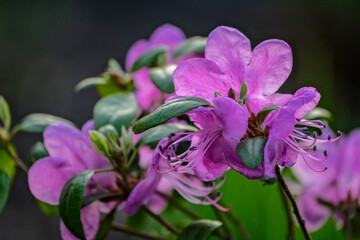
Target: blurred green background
[{"x": 48, "y": 46}]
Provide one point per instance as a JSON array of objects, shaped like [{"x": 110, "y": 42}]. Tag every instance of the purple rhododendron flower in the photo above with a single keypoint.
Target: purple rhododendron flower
[
  {"x": 213, "y": 148},
  {"x": 146, "y": 92},
  {"x": 71, "y": 152},
  {"x": 338, "y": 187},
  {"x": 229, "y": 61},
  {"x": 185, "y": 183}
]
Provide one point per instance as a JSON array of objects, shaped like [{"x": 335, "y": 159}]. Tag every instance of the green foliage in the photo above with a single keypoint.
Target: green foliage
[
  {"x": 157, "y": 133},
  {"x": 117, "y": 109},
  {"x": 263, "y": 113},
  {"x": 99, "y": 142},
  {"x": 319, "y": 113},
  {"x": 5, "y": 183},
  {"x": 5, "y": 116},
  {"x": 251, "y": 151},
  {"x": 38, "y": 122},
  {"x": 90, "y": 82},
  {"x": 168, "y": 111},
  {"x": 190, "y": 46},
  {"x": 243, "y": 90},
  {"x": 105, "y": 225},
  {"x": 199, "y": 230},
  {"x": 162, "y": 77},
  {"x": 48, "y": 209},
  {"x": 71, "y": 202},
  {"x": 153, "y": 58},
  {"x": 38, "y": 151},
  {"x": 7, "y": 164}
]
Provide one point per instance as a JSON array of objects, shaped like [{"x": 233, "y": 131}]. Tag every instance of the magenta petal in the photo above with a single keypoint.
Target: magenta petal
[
  {"x": 90, "y": 218},
  {"x": 146, "y": 92},
  {"x": 158, "y": 203},
  {"x": 47, "y": 177},
  {"x": 230, "y": 50},
  {"x": 168, "y": 35},
  {"x": 135, "y": 52},
  {"x": 199, "y": 77},
  {"x": 257, "y": 103},
  {"x": 303, "y": 101},
  {"x": 212, "y": 165},
  {"x": 88, "y": 126},
  {"x": 269, "y": 67}
]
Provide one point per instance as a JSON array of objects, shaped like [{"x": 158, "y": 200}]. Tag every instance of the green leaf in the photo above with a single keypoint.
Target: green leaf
[
  {"x": 217, "y": 94},
  {"x": 190, "y": 46},
  {"x": 263, "y": 113},
  {"x": 37, "y": 122},
  {"x": 117, "y": 110},
  {"x": 318, "y": 114},
  {"x": 157, "y": 133},
  {"x": 5, "y": 116},
  {"x": 168, "y": 111},
  {"x": 99, "y": 142},
  {"x": 105, "y": 225},
  {"x": 243, "y": 90},
  {"x": 38, "y": 151},
  {"x": 7, "y": 164},
  {"x": 48, "y": 209},
  {"x": 162, "y": 77},
  {"x": 251, "y": 151},
  {"x": 113, "y": 65},
  {"x": 71, "y": 201},
  {"x": 199, "y": 230},
  {"x": 152, "y": 58},
  {"x": 99, "y": 196},
  {"x": 90, "y": 82},
  {"x": 109, "y": 129},
  {"x": 5, "y": 183}
]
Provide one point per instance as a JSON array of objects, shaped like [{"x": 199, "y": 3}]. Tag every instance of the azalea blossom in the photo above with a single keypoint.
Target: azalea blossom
[
  {"x": 335, "y": 192},
  {"x": 146, "y": 92},
  {"x": 71, "y": 152},
  {"x": 286, "y": 139},
  {"x": 185, "y": 182},
  {"x": 229, "y": 61}
]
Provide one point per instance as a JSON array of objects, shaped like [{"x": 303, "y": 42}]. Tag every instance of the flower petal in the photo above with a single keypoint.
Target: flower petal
[
  {"x": 168, "y": 35},
  {"x": 269, "y": 67},
  {"x": 135, "y": 51},
  {"x": 303, "y": 101},
  {"x": 47, "y": 177},
  {"x": 88, "y": 126},
  {"x": 199, "y": 77},
  {"x": 90, "y": 218},
  {"x": 230, "y": 50}
]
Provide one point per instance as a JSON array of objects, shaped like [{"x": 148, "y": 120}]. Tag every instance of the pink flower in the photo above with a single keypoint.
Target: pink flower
[{"x": 338, "y": 186}]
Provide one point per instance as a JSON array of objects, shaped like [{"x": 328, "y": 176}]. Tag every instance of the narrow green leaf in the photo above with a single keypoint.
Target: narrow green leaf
[
  {"x": 263, "y": 113},
  {"x": 118, "y": 110},
  {"x": 109, "y": 129},
  {"x": 7, "y": 164},
  {"x": 5, "y": 183},
  {"x": 199, "y": 230},
  {"x": 71, "y": 201},
  {"x": 243, "y": 90},
  {"x": 190, "y": 46},
  {"x": 105, "y": 225},
  {"x": 99, "y": 142},
  {"x": 251, "y": 151},
  {"x": 113, "y": 65},
  {"x": 319, "y": 114},
  {"x": 217, "y": 94},
  {"x": 90, "y": 82},
  {"x": 37, "y": 122},
  {"x": 48, "y": 209},
  {"x": 157, "y": 133},
  {"x": 151, "y": 58},
  {"x": 38, "y": 151},
  {"x": 168, "y": 111},
  {"x": 5, "y": 116},
  {"x": 162, "y": 77}
]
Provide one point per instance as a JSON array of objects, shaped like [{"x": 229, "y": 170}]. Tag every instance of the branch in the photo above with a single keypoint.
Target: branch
[
  {"x": 162, "y": 221},
  {"x": 290, "y": 235},
  {"x": 135, "y": 233},
  {"x": 293, "y": 203}
]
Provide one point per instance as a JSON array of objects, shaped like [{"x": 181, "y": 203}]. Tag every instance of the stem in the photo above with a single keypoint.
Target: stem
[
  {"x": 135, "y": 232},
  {"x": 178, "y": 205},
  {"x": 162, "y": 221},
  {"x": 290, "y": 233},
  {"x": 19, "y": 163},
  {"x": 104, "y": 170},
  {"x": 293, "y": 203},
  {"x": 237, "y": 222},
  {"x": 132, "y": 157},
  {"x": 219, "y": 215}
]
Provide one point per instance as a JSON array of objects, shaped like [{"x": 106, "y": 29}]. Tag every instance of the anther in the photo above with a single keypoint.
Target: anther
[
  {"x": 172, "y": 147},
  {"x": 168, "y": 157},
  {"x": 314, "y": 148},
  {"x": 325, "y": 153},
  {"x": 329, "y": 137},
  {"x": 325, "y": 126},
  {"x": 298, "y": 119},
  {"x": 160, "y": 148},
  {"x": 193, "y": 148},
  {"x": 203, "y": 199},
  {"x": 172, "y": 135},
  {"x": 339, "y": 133}
]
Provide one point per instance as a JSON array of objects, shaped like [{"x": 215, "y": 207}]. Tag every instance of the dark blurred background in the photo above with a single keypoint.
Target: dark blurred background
[{"x": 47, "y": 47}]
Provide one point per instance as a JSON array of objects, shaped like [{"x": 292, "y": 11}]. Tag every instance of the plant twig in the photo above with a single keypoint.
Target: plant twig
[
  {"x": 132, "y": 158},
  {"x": 293, "y": 203},
  {"x": 135, "y": 233},
  {"x": 290, "y": 232},
  {"x": 228, "y": 235},
  {"x": 19, "y": 163},
  {"x": 161, "y": 220}
]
